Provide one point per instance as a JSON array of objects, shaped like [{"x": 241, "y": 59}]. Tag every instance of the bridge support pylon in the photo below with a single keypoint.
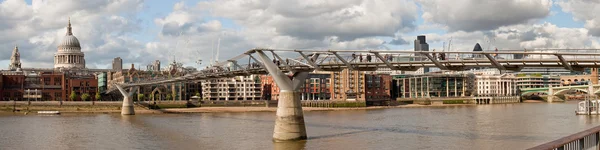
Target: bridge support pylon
[
  {"x": 289, "y": 124},
  {"x": 127, "y": 108}
]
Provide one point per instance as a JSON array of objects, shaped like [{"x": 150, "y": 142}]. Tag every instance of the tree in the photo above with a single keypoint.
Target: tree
[
  {"x": 73, "y": 96},
  {"x": 98, "y": 97},
  {"x": 197, "y": 94},
  {"x": 169, "y": 97},
  {"x": 140, "y": 97},
  {"x": 85, "y": 97}
]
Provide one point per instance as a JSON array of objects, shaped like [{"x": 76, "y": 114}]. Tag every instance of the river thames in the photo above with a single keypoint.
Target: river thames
[{"x": 501, "y": 126}]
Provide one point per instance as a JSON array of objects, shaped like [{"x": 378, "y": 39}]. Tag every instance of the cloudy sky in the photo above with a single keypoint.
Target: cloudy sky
[{"x": 140, "y": 31}]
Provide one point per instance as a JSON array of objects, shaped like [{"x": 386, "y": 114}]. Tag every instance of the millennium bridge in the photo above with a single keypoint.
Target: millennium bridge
[{"x": 289, "y": 69}]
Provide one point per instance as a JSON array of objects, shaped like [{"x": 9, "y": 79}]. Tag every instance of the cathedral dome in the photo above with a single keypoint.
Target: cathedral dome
[{"x": 69, "y": 41}]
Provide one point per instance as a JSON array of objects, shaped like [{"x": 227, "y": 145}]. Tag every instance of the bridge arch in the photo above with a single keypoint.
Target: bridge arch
[
  {"x": 533, "y": 92},
  {"x": 559, "y": 92}
]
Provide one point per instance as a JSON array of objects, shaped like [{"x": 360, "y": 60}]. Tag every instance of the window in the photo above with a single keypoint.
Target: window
[
  {"x": 57, "y": 95},
  {"x": 47, "y": 81},
  {"x": 6, "y": 95},
  {"x": 46, "y": 96}
]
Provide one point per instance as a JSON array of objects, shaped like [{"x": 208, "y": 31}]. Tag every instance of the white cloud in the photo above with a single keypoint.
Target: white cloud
[
  {"x": 474, "y": 15},
  {"x": 317, "y": 19},
  {"x": 312, "y": 24},
  {"x": 584, "y": 10}
]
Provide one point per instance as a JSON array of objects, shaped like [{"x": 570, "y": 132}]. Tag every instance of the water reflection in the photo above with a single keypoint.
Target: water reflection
[{"x": 294, "y": 145}]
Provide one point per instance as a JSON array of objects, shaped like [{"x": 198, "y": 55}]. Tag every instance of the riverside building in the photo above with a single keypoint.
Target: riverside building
[
  {"x": 536, "y": 81},
  {"x": 235, "y": 88},
  {"x": 434, "y": 85},
  {"x": 496, "y": 85}
]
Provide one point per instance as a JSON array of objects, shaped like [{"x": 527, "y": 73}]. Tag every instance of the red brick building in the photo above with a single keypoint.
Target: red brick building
[
  {"x": 378, "y": 87},
  {"x": 316, "y": 87},
  {"x": 360, "y": 86},
  {"x": 45, "y": 86},
  {"x": 12, "y": 86},
  {"x": 52, "y": 86},
  {"x": 81, "y": 85},
  {"x": 270, "y": 90}
]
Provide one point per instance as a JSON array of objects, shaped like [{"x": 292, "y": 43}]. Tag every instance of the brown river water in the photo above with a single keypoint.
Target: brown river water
[{"x": 501, "y": 126}]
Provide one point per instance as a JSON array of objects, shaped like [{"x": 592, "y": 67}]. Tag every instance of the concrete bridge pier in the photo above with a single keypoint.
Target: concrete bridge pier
[
  {"x": 127, "y": 108},
  {"x": 289, "y": 121}
]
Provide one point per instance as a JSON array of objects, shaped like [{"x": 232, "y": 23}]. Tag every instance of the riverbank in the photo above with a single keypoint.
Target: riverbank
[
  {"x": 143, "y": 110},
  {"x": 273, "y": 109}
]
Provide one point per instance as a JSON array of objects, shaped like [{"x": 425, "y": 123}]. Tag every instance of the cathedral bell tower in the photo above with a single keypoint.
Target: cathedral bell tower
[{"x": 15, "y": 60}]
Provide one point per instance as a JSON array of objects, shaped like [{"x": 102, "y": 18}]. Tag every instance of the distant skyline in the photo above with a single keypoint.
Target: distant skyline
[{"x": 141, "y": 31}]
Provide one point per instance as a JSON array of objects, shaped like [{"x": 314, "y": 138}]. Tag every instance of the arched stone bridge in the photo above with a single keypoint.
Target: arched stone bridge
[{"x": 560, "y": 90}]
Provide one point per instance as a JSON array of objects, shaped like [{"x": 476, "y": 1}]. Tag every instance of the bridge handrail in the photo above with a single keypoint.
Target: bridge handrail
[
  {"x": 412, "y": 52},
  {"x": 586, "y": 139}
]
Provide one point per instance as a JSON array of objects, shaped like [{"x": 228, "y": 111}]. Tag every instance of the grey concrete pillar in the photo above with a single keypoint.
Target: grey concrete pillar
[
  {"x": 289, "y": 121},
  {"x": 127, "y": 108},
  {"x": 289, "y": 124}
]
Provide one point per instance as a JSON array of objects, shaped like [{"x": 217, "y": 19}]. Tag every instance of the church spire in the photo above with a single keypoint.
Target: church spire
[
  {"x": 16, "y": 50},
  {"x": 69, "y": 32},
  {"x": 15, "y": 59}
]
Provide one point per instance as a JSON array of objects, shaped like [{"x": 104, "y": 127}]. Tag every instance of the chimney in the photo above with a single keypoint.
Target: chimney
[{"x": 132, "y": 67}]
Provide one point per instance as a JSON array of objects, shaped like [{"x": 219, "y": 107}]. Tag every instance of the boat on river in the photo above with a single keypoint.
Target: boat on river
[
  {"x": 588, "y": 107},
  {"x": 49, "y": 112}
]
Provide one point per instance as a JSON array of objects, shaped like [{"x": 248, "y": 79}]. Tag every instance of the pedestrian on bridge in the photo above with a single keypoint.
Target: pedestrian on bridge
[
  {"x": 360, "y": 58},
  {"x": 368, "y": 57}
]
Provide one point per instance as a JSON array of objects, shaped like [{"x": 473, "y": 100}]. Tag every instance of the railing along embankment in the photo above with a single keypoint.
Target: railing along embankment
[{"x": 588, "y": 139}]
